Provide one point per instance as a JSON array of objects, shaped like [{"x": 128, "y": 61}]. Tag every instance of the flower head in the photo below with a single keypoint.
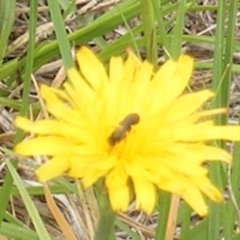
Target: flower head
[{"x": 132, "y": 127}]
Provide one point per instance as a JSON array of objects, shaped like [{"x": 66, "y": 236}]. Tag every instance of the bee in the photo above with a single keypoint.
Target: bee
[{"x": 124, "y": 126}]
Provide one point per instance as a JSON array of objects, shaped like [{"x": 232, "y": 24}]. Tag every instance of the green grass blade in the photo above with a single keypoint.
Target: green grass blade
[
  {"x": 176, "y": 43},
  {"x": 149, "y": 29},
  {"x": 61, "y": 34},
  {"x": 12, "y": 231},
  {"x": 32, "y": 210},
  {"x": 5, "y": 191},
  {"x": 7, "y": 16},
  {"x": 214, "y": 219},
  {"x": 185, "y": 221},
  {"x": 230, "y": 210}
]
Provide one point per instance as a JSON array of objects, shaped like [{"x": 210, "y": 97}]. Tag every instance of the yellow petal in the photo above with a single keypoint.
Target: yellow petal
[
  {"x": 186, "y": 190},
  {"x": 53, "y": 168},
  {"x": 119, "y": 198},
  {"x": 187, "y": 104},
  {"x": 79, "y": 90},
  {"x": 92, "y": 69},
  {"x": 140, "y": 88},
  {"x": 43, "y": 146},
  {"x": 116, "y": 71},
  {"x": 202, "y": 132},
  {"x": 207, "y": 188},
  {"x": 172, "y": 78},
  {"x": 195, "y": 199},
  {"x": 145, "y": 194}
]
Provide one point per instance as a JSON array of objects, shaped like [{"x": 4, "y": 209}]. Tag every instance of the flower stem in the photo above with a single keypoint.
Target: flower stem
[{"x": 105, "y": 227}]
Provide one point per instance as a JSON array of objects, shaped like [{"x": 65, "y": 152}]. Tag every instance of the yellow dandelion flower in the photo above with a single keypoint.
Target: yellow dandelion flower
[{"x": 132, "y": 127}]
